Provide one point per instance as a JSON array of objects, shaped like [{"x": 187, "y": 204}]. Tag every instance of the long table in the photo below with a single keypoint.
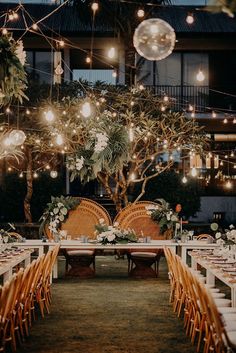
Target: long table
[
  {"x": 6, "y": 268},
  {"x": 214, "y": 271},
  {"x": 41, "y": 246}
]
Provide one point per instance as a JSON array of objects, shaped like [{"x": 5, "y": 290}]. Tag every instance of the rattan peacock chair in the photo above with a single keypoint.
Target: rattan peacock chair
[{"x": 135, "y": 216}]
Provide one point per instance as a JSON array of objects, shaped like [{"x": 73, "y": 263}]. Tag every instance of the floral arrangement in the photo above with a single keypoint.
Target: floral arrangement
[
  {"x": 163, "y": 215},
  {"x": 56, "y": 213},
  {"x": 228, "y": 237},
  {"x": 113, "y": 234},
  {"x": 13, "y": 80},
  {"x": 106, "y": 147}
]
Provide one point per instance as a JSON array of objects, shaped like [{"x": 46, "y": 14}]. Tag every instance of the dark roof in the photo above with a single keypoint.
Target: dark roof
[{"x": 69, "y": 19}]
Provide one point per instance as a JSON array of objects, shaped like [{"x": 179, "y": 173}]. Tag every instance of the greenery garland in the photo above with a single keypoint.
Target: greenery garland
[
  {"x": 56, "y": 213},
  {"x": 13, "y": 79}
]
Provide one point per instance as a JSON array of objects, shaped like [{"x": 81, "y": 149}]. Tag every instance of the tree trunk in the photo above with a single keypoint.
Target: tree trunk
[{"x": 29, "y": 184}]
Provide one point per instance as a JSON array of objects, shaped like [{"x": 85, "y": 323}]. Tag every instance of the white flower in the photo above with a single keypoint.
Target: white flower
[
  {"x": 168, "y": 217},
  {"x": 63, "y": 233},
  {"x": 220, "y": 241},
  {"x": 116, "y": 224},
  {"x": 110, "y": 228},
  {"x": 60, "y": 204},
  {"x": 55, "y": 210},
  {"x": 61, "y": 218},
  {"x": 79, "y": 163},
  {"x": 20, "y": 53},
  {"x": 231, "y": 226},
  {"x": 111, "y": 237},
  {"x": 64, "y": 211},
  {"x": 149, "y": 213},
  {"x": 174, "y": 218},
  {"x": 101, "y": 143},
  {"x": 218, "y": 235},
  {"x": 101, "y": 220}
]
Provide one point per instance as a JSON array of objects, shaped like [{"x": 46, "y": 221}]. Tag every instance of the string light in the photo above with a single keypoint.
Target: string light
[
  {"x": 49, "y": 116},
  {"x": 225, "y": 121},
  {"x": 193, "y": 114},
  {"x": 15, "y": 15},
  {"x": 4, "y": 31},
  {"x": 86, "y": 109},
  {"x": 35, "y": 26},
  {"x": 228, "y": 184},
  {"x": 194, "y": 172},
  {"x": 59, "y": 140},
  {"x": 190, "y": 108},
  {"x": 131, "y": 134},
  {"x": 200, "y": 76},
  {"x": 190, "y": 18},
  {"x": 132, "y": 176},
  {"x": 21, "y": 175},
  {"x": 141, "y": 87},
  {"x": 88, "y": 60},
  {"x": 8, "y": 110},
  {"x": 114, "y": 73},
  {"x": 234, "y": 121},
  {"x": 166, "y": 98},
  {"x": 111, "y": 53},
  {"x": 27, "y": 112},
  {"x": 61, "y": 43},
  {"x": 163, "y": 108},
  {"x": 213, "y": 114},
  {"x": 184, "y": 180},
  {"x": 94, "y": 6},
  {"x": 35, "y": 175},
  {"x": 53, "y": 174},
  {"x": 10, "y": 16},
  {"x": 140, "y": 13},
  {"x": 232, "y": 154}
]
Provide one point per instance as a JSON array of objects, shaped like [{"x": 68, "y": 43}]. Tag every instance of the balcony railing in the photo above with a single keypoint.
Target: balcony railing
[{"x": 182, "y": 96}]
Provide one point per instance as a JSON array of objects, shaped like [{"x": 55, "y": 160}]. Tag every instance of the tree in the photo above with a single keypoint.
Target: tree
[{"x": 123, "y": 137}]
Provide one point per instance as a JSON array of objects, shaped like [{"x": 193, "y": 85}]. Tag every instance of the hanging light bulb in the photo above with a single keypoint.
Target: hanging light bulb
[
  {"x": 4, "y": 31},
  {"x": 228, "y": 184},
  {"x": 88, "y": 60},
  {"x": 10, "y": 16},
  {"x": 35, "y": 26},
  {"x": 94, "y": 6},
  {"x": 140, "y": 13},
  {"x": 232, "y": 154},
  {"x": 86, "y": 109},
  {"x": 225, "y": 121},
  {"x": 59, "y": 140},
  {"x": 132, "y": 176},
  {"x": 21, "y": 175},
  {"x": 213, "y": 114},
  {"x": 200, "y": 76},
  {"x": 53, "y": 174},
  {"x": 234, "y": 121},
  {"x": 114, "y": 73},
  {"x": 184, "y": 180},
  {"x": 111, "y": 53},
  {"x": 194, "y": 172},
  {"x": 35, "y": 175},
  {"x": 190, "y": 107},
  {"x": 61, "y": 43},
  {"x": 49, "y": 116},
  {"x": 15, "y": 15},
  {"x": 166, "y": 98},
  {"x": 190, "y": 18},
  {"x": 17, "y": 137}
]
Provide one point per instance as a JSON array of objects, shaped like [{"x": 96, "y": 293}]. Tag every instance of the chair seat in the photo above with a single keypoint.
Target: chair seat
[
  {"x": 80, "y": 252},
  {"x": 143, "y": 254}
]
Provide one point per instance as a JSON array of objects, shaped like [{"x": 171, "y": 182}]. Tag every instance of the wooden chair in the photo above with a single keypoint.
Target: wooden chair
[
  {"x": 135, "y": 217},
  {"x": 81, "y": 222}
]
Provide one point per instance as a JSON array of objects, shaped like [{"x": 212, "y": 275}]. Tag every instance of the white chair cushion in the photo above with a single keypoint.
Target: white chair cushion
[
  {"x": 143, "y": 254},
  {"x": 225, "y": 310},
  {"x": 222, "y": 302},
  {"x": 218, "y": 295},
  {"x": 80, "y": 252},
  {"x": 232, "y": 336}
]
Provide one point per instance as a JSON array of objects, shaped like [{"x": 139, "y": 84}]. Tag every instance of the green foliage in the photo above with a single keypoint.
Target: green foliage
[
  {"x": 163, "y": 215},
  {"x": 13, "y": 80},
  {"x": 57, "y": 212}
]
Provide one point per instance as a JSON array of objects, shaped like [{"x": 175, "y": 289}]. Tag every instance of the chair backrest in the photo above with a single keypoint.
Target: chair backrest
[
  {"x": 82, "y": 220},
  {"x": 135, "y": 216},
  {"x": 205, "y": 236}
]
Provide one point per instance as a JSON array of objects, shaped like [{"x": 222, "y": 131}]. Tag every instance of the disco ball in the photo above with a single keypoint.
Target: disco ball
[
  {"x": 154, "y": 39},
  {"x": 17, "y": 137}
]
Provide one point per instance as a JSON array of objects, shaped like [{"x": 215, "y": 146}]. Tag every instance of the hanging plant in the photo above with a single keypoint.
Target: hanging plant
[{"x": 13, "y": 79}]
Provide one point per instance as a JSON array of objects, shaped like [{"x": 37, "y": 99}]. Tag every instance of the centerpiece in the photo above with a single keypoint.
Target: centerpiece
[
  {"x": 165, "y": 216},
  {"x": 226, "y": 237},
  {"x": 113, "y": 234},
  {"x": 55, "y": 214}
]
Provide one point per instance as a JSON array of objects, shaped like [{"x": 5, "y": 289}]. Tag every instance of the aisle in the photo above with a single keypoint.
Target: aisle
[{"x": 110, "y": 314}]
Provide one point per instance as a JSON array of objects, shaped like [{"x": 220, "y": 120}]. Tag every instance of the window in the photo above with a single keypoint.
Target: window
[
  {"x": 168, "y": 71},
  {"x": 94, "y": 76},
  {"x": 40, "y": 65}
]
